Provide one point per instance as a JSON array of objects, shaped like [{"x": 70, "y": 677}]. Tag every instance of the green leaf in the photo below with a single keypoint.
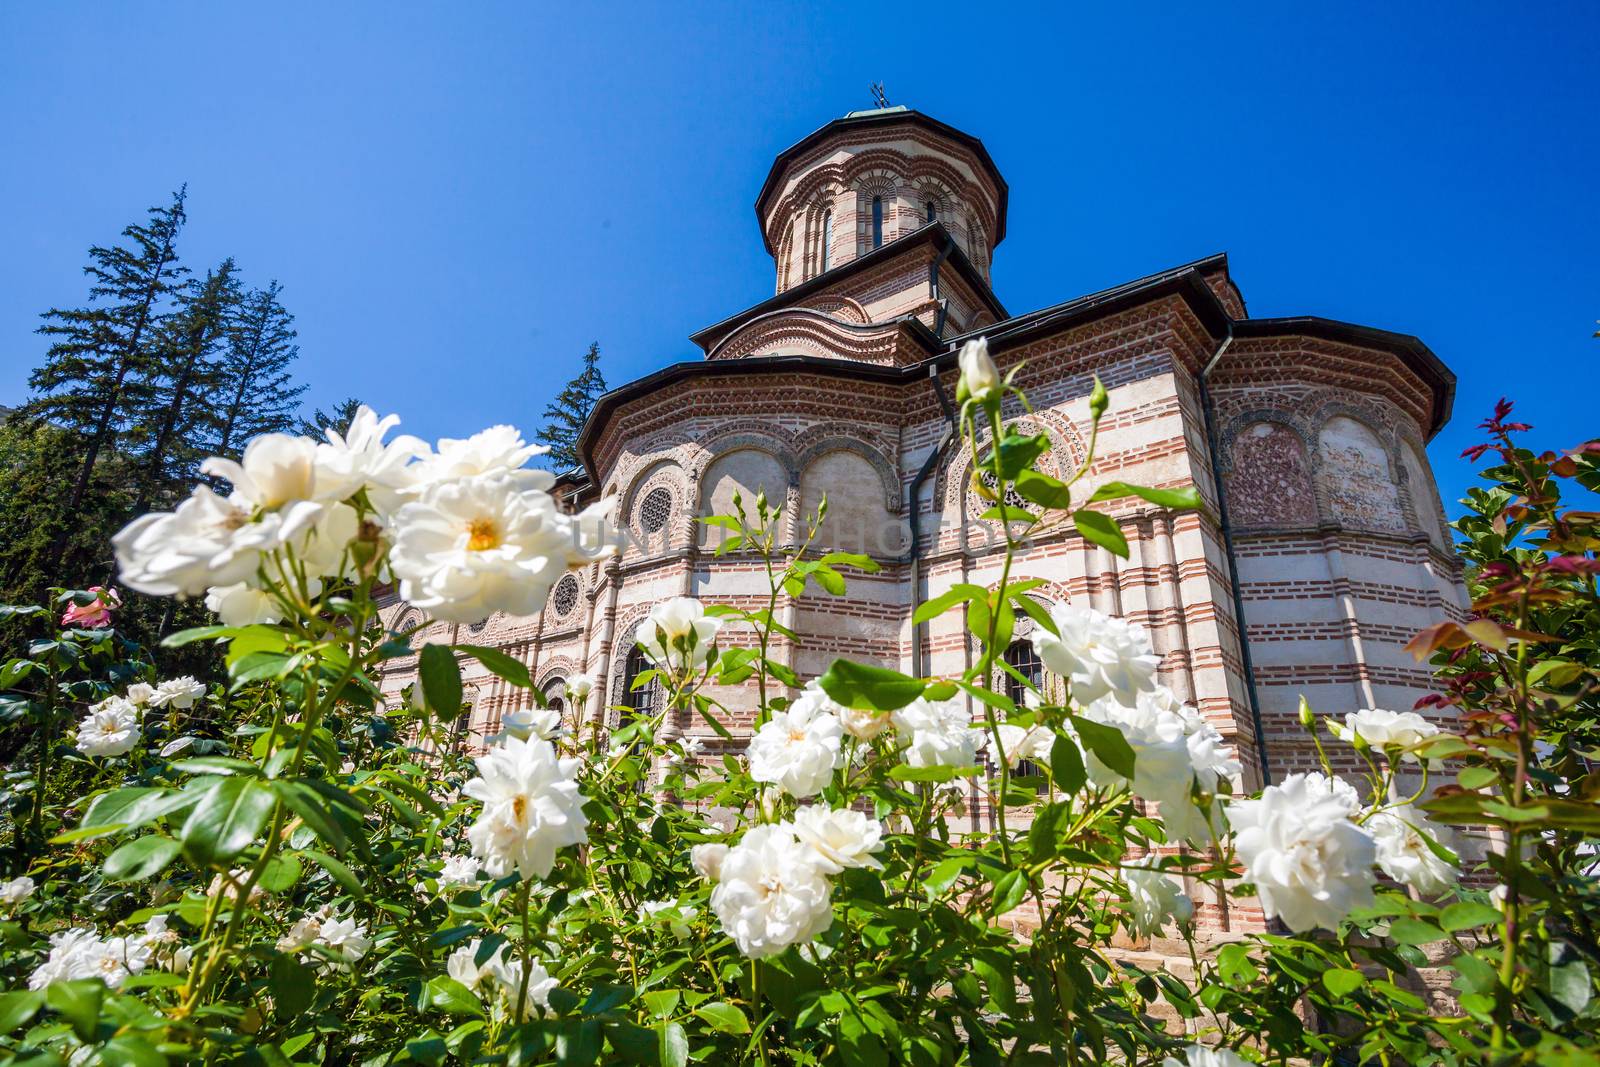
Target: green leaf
[
  {"x": 313, "y": 810},
  {"x": 1185, "y": 499},
  {"x": 132, "y": 808},
  {"x": 78, "y": 1002},
  {"x": 1017, "y": 453},
  {"x": 857, "y": 685},
  {"x": 724, "y": 1017},
  {"x": 141, "y": 858},
  {"x": 1009, "y": 891},
  {"x": 1409, "y": 931},
  {"x": 1342, "y": 981},
  {"x": 1066, "y": 765},
  {"x": 904, "y": 772},
  {"x": 226, "y": 819},
  {"x": 1102, "y": 530},
  {"x": 673, "y": 1045},
  {"x": 1044, "y": 490},
  {"x": 441, "y": 680},
  {"x": 258, "y": 666},
  {"x": 339, "y": 872},
  {"x": 293, "y": 986},
  {"x": 197, "y": 633},
  {"x": 445, "y": 994},
  {"x": 499, "y": 664},
  {"x": 18, "y": 1007},
  {"x": 1107, "y": 743},
  {"x": 129, "y": 1051},
  {"x": 1468, "y": 915},
  {"x": 1477, "y": 777}
]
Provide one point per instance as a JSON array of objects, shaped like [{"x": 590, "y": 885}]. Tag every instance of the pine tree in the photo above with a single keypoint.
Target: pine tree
[
  {"x": 256, "y": 394},
  {"x": 338, "y": 420},
  {"x": 567, "y": 413},
  {"x": 102, "y": 362},
  {"x": 190, "y": 368}
]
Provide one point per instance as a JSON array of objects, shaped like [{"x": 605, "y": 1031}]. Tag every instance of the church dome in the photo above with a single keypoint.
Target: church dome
[{"x": 870, "y": 177}]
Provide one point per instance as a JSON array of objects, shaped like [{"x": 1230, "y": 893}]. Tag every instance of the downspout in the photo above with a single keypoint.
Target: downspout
[
  {"x": 944, "y": 305},
  {"x": 1209, "y": 413},
  {"x": 914, "y": 556}
]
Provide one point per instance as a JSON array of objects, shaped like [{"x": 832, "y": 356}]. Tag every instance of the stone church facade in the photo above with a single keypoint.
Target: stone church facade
[{"x": 1322, "y": 530}]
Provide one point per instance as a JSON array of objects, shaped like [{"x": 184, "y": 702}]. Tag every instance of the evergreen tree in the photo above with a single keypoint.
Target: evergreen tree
[
  {"x": 338, "y": 420},
  {"x": 191, "y": 368},
  {"x": 256, "y": 394},
  {"x": 102, "y": 361},
  {"x": 566, "y": 414}
]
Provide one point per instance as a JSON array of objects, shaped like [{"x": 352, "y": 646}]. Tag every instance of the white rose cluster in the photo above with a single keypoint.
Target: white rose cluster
[
  {"x": 470, "y": 529},
  {"x": 531, "y": 808},
  {"x": 1299, "y": 843},
  {"x": 81, "y": 952},
  {"x": 772, "y": 888},
  {"x": 937, "y": 733},
  {"x": 797, "y": 749},
  {"x": 500, "y": 976},
  {"x": 1110, "y": 667},
  {"x": 342, "y": 941},
  {"x": 114, "y": 725}
]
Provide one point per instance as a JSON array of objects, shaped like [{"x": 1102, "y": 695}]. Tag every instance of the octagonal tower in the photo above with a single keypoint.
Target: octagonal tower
[{"x": 862, "y": 181}]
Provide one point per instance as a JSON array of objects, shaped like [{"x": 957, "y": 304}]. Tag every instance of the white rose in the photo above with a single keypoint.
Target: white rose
[
  {"x": 1021, "y": 743},
  {"x": 16, "y": 890},
  {"x": 531, "y": 808},
  {"x": 1403, "y": 852},
  {"x": 797, "y": 749},
  {"x": 1097, "y": 654},
  {"x": 842, "y": 838},
  {"x": 578, "y": 688},
  {"x": 979, "y": 376},
  {"x": 459, "y": 870},
  {"x": 180, "y": 693},
  {"x": 543, "y": 723},
  {"x": 678, "y": 917},
  {"x": 937, "y": 734},
  {"x": 139, "y": 694},
  {"x": 498, "y": 451},
  {"x": 1201, "y": 1056},
  {"x": 707, "y": 859},
  {"x": 1155, "y": 899},
  {"x": 1310, "y": 864},
  {"x": 240, "y": 605},
  {"x": 772, "y": 894},
  {"x": 1385, "y": 730},
  {"x": 468, "y": 548},
  {"x": 678, "y": 634},
  {"x": 359, "y": 459},
  {"x": 462, "y": 965},
  {"x": 111, "y": 731}
]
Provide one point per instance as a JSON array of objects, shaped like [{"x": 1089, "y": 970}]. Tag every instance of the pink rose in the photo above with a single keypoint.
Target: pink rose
[{"x": 95, "y": 614}]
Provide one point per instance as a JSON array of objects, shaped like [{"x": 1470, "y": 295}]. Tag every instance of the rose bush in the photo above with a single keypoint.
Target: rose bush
[{"x": 287, "y": 869}]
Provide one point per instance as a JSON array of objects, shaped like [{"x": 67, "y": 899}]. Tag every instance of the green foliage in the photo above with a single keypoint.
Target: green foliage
[{"x": 566, "y": 414}]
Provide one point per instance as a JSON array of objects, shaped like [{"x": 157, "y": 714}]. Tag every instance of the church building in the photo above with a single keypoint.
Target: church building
[{"x": 1321, "y": 550}]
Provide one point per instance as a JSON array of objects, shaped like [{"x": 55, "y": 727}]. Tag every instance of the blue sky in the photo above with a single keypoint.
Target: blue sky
[{"x": 458, "y": 198}]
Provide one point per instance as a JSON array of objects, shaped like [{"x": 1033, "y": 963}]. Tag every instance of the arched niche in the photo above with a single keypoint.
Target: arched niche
[
  {"x": 1269, "y": 477},
  {"x": 744, "y": 472},
  {"x": 857, "y": 519},
  {"x": 1424, "y": 495},
  {"x": 1355, "y": 477}
]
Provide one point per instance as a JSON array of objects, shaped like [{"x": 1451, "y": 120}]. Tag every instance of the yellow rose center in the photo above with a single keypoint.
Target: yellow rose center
[{"x": 482, "y": 535}]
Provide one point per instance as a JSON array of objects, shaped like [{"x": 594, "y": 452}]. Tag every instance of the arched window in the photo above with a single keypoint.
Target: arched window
[
  {"x": 646, "y": 700},
  {"x": 929, "y": 211},
  {"x": 877, "y": 221},
  {"x": 827, "y": 239},
  {"x": 1022, "y": 658}
]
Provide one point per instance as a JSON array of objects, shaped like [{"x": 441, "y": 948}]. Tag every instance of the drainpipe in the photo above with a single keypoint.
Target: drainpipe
[
  {"x": 913, "y": 557},
  {"x": 933, "y": 294},
  {"x": 1212, "y": 443}
]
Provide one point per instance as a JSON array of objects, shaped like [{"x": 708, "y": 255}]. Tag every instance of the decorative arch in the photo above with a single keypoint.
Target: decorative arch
[
  {"x": 888, "y": 477},
  {"x": 1266, "y": 466},
  {"x": 1355, "y": 473},
  {"x": 819, "y": 333},
  {"x": 843, "y": 308}
]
